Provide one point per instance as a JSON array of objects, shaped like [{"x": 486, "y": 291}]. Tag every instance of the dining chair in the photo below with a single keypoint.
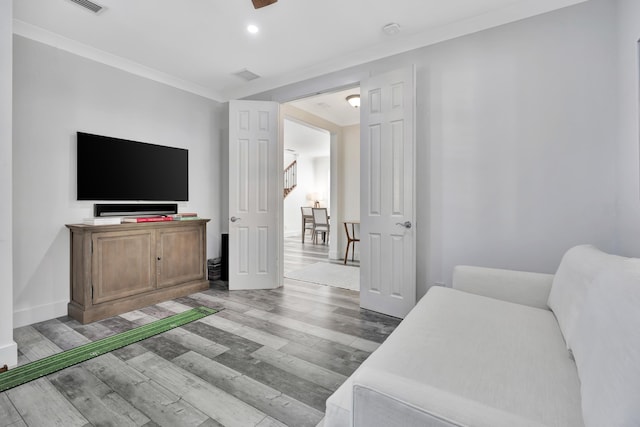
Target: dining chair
[
  {"x": 320, "y": 224},
  {"x": 307, "y": 220},
  {"x": 352, "y": 238}
]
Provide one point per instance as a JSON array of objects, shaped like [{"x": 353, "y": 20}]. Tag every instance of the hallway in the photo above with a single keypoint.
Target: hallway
[{"x": 298, "y": 254}]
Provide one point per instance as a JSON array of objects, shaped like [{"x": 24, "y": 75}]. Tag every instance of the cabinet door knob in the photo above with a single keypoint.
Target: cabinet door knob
[{"x": 158, "y": 258}]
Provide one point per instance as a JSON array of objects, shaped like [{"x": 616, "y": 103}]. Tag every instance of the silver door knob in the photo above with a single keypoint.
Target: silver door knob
[
  {"x": 406, "y": 224},
  {"x": 234, "y": 219}
]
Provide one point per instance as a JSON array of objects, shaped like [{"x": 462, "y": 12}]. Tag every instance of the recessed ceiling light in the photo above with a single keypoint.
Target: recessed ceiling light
[{"x": 253, "y": 29}]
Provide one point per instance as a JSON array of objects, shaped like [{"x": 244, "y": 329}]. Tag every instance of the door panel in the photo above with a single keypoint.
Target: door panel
[
  {"x": 180, "y": 254},
  {"x": 387, "y": 268},
  {"x": 123, "y": 265},
  {"x": 253, "y": 195}
]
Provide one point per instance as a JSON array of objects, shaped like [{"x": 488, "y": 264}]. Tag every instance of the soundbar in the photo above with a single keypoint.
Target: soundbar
[{"x": 134, "y": 209}]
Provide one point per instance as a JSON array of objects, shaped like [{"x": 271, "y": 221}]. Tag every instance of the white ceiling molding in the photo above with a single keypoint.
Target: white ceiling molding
[{"x": 38, "y": 34}]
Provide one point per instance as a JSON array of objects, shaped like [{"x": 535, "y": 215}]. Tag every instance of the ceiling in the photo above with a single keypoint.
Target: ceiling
[
  {"x": 198, "y": 45},
  {"x": 305, "y": 140},
  {"x": 332, "y": 107}
]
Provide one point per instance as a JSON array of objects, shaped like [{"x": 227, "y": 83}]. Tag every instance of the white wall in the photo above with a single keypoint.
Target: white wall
[
  {"x": 8, "y": 349},
  {"x": 322, "y": 179},
  {"x": 350, "y": 187},
  {"x": 306, "y": 141},
  {"x": 521, "y": 129},
  {"x": 298, "y": 197},
  {"x": 56, "y": 94},
  {"x": 336, "y": 239},
  {"x": 628, "y": 157},
  {"x": 516, "y": 130}
]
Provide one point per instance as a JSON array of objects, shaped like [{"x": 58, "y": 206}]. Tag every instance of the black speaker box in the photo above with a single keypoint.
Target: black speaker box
[
  {"x": 133, "y": 209},
  {"x": 225, "y": 257}
]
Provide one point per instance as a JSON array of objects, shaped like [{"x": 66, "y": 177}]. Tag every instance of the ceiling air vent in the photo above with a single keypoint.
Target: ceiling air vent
[
  {"x": 93, "y": 7},
  {"x": 246, "y": 75}
]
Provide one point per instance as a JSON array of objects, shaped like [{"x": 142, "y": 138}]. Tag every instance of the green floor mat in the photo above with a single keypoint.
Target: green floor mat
[{"x": 48, "y": 365}]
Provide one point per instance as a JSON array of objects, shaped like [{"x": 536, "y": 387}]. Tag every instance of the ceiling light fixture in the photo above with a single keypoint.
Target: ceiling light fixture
[
  {"x": 253, "y": 29},
  {"x": 354, "y": 100}
]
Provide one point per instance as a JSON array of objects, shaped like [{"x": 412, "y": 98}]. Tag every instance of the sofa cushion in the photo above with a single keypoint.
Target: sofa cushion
[
  {"x": 577, "y": 270},
  {"x": 405, "y": 406},
  {"x": 500, "y": 357},
  {"x": 606, "y": 347}
]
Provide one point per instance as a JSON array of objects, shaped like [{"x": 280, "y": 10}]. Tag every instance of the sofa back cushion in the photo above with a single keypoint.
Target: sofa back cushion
[
  {"x": 578, "y": 268},
  {"x": 606, "y": 348}
]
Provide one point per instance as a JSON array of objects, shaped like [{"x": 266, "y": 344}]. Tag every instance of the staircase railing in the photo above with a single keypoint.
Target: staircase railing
[{"x": 290, "y": 177}]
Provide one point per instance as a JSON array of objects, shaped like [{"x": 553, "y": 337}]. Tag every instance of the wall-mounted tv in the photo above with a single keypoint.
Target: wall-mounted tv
[{"x": 119, "y": 169}]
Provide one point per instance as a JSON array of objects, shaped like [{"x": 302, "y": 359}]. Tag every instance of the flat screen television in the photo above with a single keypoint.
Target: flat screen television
[{"x": 119, "y": 169}]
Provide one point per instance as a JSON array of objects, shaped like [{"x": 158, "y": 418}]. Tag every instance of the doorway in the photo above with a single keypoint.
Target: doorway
[
  {"x": 387, "y": 194},
  {"x": 335, "y": 185}
]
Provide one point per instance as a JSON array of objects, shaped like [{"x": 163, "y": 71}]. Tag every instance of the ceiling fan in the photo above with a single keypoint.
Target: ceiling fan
[{"x": 262, "y": 3}]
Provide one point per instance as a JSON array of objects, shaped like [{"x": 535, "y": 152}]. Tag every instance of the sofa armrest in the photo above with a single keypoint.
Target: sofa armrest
[{"x": 521, "y": 287}]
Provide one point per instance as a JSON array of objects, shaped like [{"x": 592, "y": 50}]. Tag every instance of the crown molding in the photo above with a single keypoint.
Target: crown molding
[{"x": 41, "y": 35}]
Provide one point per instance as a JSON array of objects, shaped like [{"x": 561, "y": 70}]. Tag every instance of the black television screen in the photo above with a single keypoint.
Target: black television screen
[{"x": 119, "y": 169}]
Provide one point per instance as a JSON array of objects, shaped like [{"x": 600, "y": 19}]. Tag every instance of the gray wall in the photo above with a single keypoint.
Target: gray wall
[
  {"x": 527, "y": 144},
  {"x": 515, "y": 140},
  {"x": 8, "y": 350},
  {"x": 628, "y": 190},
  {"x": 56, "y": 94},
  {"x": 519, "y": 124}
]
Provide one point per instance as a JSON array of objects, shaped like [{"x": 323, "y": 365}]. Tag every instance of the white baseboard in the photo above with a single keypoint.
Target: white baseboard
[
  {"x": 9, "y": 354},
  {"x": 31, "y": 315}
]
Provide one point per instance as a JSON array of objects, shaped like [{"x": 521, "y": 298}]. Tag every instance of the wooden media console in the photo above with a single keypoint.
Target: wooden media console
[{"x": 119, "y": 268}]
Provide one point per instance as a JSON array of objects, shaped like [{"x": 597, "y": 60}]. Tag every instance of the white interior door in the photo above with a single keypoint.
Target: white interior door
[
  {"x": 255, "y": 171},
  {"x": 387, "y": 175}
]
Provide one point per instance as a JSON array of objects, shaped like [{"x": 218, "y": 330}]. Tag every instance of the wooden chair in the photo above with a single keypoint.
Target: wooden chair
[
  {"x": 307, "y": 220},
  {"x": 351, "y": 240},
  {"x": 320, "y": 224}
]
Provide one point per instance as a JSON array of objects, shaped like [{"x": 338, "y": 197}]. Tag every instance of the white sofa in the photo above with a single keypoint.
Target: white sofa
[{"x": 506, "y": 348}]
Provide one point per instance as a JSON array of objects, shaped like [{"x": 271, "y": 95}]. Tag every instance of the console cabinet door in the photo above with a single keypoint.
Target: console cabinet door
[
  {"x": 181, "y": 256},
  {"x": 123, "y": 264}
]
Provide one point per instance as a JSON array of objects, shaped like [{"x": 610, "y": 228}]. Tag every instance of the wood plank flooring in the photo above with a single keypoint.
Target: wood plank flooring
[
  {"x": 298, "y": 254},
  {"x": 268, "y": 358}
]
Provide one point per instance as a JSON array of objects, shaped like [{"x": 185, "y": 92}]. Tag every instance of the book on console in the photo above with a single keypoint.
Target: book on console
[
  {"x": 105, "y": 220},
  {"x": 147, "y": 219},
  {"x": 184, "y": 216}
]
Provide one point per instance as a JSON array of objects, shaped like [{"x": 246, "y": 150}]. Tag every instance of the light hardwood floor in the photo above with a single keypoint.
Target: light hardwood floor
[
  {"x": 268, "y": 358},
  {"x": 298, "y": 254}
]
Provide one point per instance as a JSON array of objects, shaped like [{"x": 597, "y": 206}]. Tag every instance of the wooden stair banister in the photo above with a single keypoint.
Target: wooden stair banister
[{"x": 290, "y": 177}]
